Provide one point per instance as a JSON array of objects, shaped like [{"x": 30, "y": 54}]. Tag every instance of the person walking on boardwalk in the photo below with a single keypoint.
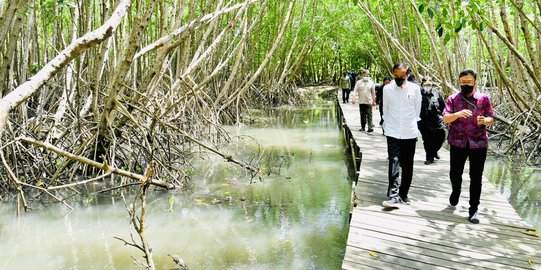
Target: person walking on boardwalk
[
  {"x": 468, "y": 113},
  {"x": 401, "y": 108},
  {"x": 345, "y": 84},
  {"x": 366, "y": 93},
  {"x": 379, "y": 97},
  {"x": 431, "y": 125},
  {"x": 352, "y": 79}
]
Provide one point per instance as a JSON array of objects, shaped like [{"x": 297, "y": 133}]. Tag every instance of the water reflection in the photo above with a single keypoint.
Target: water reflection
[
  {"x": 295, "y": 218},
  {"x": 521, "y": 186}
]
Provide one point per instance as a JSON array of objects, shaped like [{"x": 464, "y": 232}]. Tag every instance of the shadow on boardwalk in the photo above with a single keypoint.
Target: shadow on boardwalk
[{"x": 429, "y": 233}]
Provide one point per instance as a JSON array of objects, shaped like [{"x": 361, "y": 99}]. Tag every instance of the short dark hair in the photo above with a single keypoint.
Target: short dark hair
[
  {"x": 402, "y": 65},
  {"x": 467, "y": 72},
  {"x": 411, "y": 78},
  {"x": 387, "y": 78}
]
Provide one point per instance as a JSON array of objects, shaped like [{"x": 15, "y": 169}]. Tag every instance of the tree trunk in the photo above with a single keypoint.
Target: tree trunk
[{"x": 25, "y": 90}]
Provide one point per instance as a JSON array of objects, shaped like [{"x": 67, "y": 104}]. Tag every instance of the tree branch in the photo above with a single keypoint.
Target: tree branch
[
  {"x": 28, "y": 88},
  {"x": 102, "y": 166}
]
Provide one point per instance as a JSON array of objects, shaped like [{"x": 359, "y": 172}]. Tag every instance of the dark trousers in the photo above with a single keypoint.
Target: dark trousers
[
  {"x": 401, "y": 154},
  {"x": 477, "y": 165},
  {"x": 432, "y": 141},
  {"x": 345, "y": 95},
  {"x": 366, "y": 115}
]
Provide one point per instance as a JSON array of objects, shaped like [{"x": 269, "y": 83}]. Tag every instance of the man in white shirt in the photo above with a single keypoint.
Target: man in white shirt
[
  {"x": 401, "y": 108},
  {"x": 366, "y": 92}
]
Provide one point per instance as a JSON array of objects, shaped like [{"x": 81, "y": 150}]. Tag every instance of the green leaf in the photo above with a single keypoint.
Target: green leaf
[
  {"x": 444, "y": 12},
  {"x": 463, "y": 20},
  {"x": 446, "y": 39},
  {"x": 458, "y": 28},
  {"x": 430, "y": 13},
  {"x": 475, "y": 7},
  {"x": 440, "y": 32},
  {"x": 421, "y": 8},
  {"x": 481, "y": 26}
]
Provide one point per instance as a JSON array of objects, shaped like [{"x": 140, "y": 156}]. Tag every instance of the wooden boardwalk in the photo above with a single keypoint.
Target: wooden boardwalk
[{"x": 429, "y": 233}]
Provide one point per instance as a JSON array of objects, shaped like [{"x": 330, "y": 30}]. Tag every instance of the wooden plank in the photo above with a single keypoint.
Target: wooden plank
[
  {"x": 457, "y": 252},
  {"x": 451, "y": 234},
  {"x": 401, "y": 247},
  {"x": 357, "y": 261},
  {"x": 429, "y": 234},
  {"x": 363, "y": 257},
  {"x": 374, "y": 195}
]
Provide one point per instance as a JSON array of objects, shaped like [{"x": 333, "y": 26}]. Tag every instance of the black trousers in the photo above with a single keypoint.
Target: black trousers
[
  {"x": 401, "y": 154},
  {"x": 345, "y": 95},
  {"x": 432, "y": 141},
  {"x": 366, "y": 115},
  {"x": 477, "y": 165}
]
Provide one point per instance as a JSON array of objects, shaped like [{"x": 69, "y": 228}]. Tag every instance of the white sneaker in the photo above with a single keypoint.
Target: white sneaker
[
  {"x": 474, "y": 218},
  {"x": 394, "y": 202}
]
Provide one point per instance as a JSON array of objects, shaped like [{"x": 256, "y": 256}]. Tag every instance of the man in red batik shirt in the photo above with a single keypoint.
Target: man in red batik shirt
[{"x": 468, "y": 113}]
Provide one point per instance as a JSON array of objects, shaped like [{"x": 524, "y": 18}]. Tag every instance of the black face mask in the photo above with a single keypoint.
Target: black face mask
[
  {"x": 399, "y": 81},
  {"x": 466, "y": 89}
]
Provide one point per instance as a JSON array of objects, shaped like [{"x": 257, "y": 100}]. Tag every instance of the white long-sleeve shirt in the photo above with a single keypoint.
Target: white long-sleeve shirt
[{"x": 401, "y": 109}]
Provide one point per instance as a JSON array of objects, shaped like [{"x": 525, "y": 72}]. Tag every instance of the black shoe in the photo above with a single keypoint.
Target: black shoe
[
  {"x": 474, "y": 218},
  {"x": 453, "y": 199},
  {"x": 406, "y": 201},
  {"x": 381, "y": 122},
  {"x": 362, "y": 129},
  {"x": 428, "y": 162},
  {"x": 370, "y": 130},
  {"x": 437, "y": 156}
]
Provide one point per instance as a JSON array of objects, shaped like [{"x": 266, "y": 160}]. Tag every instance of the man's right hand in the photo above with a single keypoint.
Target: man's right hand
[
  {"x": 450, "y": 118},
  {"x": 464, "y": 113}
]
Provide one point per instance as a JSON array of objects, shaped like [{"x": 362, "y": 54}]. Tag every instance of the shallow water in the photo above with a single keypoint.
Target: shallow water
[
  {"x": 521, "y": 186},
  {"x": 295, "y": 217}
]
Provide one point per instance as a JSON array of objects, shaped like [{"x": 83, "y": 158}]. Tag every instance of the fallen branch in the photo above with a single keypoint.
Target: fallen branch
[
  {"x": 80, "y": 182},
  {"x": 229, "y": 158},
  {"x": 50, "y": 194},
  {"x": 117, "y": 187},
  {"x": 102, "y": 166},
  {"x": 16, "y": 181}
]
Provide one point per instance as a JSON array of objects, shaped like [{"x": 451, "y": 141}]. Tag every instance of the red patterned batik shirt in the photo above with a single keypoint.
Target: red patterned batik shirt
[{"x": 464, "y": 130}]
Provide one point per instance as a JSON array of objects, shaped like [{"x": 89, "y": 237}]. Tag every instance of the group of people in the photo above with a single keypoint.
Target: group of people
[
  {"x": 364, "y": 91},
  {"x": 408, "y": 108}
]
